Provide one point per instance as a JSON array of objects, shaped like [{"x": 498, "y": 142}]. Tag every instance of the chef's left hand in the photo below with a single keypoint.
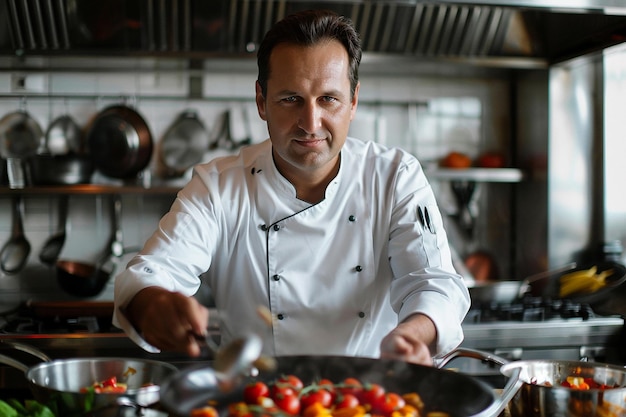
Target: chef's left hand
[{"x": 411, "y": 341}]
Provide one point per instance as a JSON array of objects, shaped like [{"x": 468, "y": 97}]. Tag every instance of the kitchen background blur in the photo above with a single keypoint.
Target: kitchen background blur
[
  {"x": 539, "y": 83},
  {"x": 554, "y": 119}
]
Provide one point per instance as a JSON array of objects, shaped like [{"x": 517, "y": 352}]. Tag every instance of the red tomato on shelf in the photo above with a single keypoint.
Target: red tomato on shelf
[
  {"x": 456, "y": 160},
  {"x": 490, "y": 160}
]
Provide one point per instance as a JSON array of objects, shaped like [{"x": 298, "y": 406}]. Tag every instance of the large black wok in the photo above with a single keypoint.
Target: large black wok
[
  {"x": 442, "y": 390},
  {"x": 58, "y": 383}
]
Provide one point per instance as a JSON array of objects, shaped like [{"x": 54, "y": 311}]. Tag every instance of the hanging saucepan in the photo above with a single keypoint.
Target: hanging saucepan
[
  {"x": 119, "y": 142},
  {"x": 59, "y": 382},
  {"x": 63, "y": 136},
  {"x": 82, "y": 279},
  {"x": 184, "y": 144},
  {"x": 20, "y": 136},
  {"x": 441, "y": 390}
]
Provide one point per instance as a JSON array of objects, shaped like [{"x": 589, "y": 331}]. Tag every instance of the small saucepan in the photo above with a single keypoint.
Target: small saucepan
[{"x": 59, "y": 382}]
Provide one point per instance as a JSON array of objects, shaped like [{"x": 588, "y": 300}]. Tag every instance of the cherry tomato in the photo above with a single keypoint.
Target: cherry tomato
[
  {"x": 346, "y": 401},
  {"x": 350, "y": 386},
  {"x": 282, "y": 391},
  {"x": 371, "y": 394},
  {"x": 388, "y": 403},
  {"x": 255, "y": 390},
  {"x": 290, "y": 404},
  {"x": 321, "y": 396},
  {"x": 292, "y": 381},
  {"x": 328, "y": 385}
]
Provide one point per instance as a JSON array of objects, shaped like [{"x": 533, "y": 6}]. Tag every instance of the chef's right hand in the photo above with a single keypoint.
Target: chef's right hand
[{"x": 168, "y": 320}]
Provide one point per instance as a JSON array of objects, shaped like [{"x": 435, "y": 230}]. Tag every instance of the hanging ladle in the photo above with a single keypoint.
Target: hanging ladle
[
  {"x": 52, "y": 247},
  {"x": 463, "y": 193},
  {"x": 16, "y": 250}
]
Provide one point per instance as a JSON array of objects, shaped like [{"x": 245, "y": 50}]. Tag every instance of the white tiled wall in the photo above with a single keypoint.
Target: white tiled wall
[{"x": 427, "y": 116}]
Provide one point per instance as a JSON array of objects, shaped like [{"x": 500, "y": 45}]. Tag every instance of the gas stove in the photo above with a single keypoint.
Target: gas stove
[{"x": 542, "y": 328}]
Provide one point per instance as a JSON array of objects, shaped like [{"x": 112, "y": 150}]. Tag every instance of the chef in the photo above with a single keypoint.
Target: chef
[{"x": 340, "y": 240}]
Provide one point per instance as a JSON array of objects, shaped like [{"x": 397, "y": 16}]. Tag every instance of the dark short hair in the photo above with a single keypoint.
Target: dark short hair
[{"x": 308, "y": 28}]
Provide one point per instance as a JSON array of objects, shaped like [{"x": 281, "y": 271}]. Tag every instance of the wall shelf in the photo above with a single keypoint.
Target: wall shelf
[
  {"x": 508, "y": 175},
  {"x": 90, "y": 189}
]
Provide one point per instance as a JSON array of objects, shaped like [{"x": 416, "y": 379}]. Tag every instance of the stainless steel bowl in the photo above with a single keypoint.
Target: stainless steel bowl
[{"x": 537, "y": 399}]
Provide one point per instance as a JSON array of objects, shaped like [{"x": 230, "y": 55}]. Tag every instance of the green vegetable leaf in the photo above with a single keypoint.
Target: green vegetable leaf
[
  {"x": 6, "y": 410},
  {"x": 36, "y": 409}
]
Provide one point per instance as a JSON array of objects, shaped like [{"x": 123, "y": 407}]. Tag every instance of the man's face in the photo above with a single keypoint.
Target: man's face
[{"x": 308, "y": 107}]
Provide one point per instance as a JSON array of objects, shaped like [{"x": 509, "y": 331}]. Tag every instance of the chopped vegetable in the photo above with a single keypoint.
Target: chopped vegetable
[{"x": 108, "y": 386}]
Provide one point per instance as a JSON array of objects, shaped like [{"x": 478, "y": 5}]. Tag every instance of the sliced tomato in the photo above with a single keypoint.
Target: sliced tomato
[{"x": 111, "y": 382}]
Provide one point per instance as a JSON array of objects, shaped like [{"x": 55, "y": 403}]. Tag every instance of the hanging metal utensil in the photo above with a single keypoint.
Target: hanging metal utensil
[
  {"x": 15, "y": 251},
  {"x": 184, "y": 144},
  {"x": 20, "y": 137},
  {"x": 82, "y": 279},
  {"x": 117, "y": 244},
  {"x": 52, "y": 247},
  {"x": 463, "y": 192},
  {"x": 63, "y": 136}
]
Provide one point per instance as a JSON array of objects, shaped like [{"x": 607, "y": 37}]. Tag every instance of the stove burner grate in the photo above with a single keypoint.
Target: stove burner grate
[
  {"x": 530, "y": 309},
  {"x": 30, "y": 325}
]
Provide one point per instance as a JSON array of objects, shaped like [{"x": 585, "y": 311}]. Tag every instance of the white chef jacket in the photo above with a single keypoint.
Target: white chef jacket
[{"x": 337, "y": 275}]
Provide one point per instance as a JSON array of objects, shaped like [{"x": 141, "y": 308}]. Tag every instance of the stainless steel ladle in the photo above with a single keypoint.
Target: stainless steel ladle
[
  {"x": 52, "y": 247},
  {"x": 197, "y": 383},
  {"x": 15, "y": 251}
]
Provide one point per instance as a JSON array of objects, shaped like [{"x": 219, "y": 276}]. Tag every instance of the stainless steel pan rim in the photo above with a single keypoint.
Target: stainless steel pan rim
[{"x": 536, "y": 399}]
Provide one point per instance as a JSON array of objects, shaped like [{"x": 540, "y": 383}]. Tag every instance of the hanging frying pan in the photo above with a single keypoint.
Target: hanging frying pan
[
  {"x": 184, "y": 143},
  {"x": 119, "y": 142}
]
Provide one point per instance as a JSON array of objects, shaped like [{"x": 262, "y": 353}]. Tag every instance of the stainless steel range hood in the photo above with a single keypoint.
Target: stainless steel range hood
[{"x": 543, "y": 32}]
